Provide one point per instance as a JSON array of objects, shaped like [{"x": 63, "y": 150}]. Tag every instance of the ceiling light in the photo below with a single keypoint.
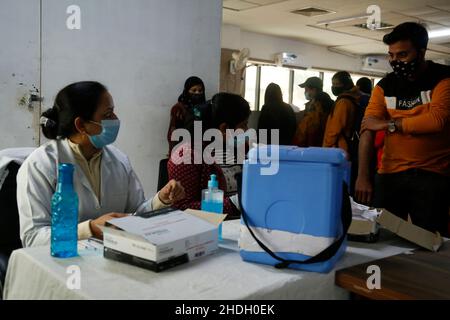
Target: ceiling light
[
  {"x": 438, "y": 33},
  {"x": 321, "y": 23},
  {"x": 382, "y": 26}
]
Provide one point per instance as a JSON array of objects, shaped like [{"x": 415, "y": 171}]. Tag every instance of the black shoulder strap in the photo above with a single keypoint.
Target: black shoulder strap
[
  {"x": 326, "y": 254},
  {"x": 355, "y": 130}
]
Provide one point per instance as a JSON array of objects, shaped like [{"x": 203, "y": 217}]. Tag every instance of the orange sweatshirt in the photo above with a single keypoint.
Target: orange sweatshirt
[
  {"x": 312, "y": 127},
  {"x": 424, "y": 107},
  {"x": 341, "y": 120}
]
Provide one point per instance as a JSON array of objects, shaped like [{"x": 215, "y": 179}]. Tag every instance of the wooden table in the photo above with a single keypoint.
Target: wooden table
[{"x": 420, "y": 275}]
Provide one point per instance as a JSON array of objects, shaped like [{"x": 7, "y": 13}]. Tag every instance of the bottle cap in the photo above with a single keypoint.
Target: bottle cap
[
  {"x": 213, "y": 183},
  {"x": 66, "y": 167}
]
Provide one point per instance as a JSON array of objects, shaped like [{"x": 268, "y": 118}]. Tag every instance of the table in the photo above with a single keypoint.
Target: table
[
  {"x": 34, "y": 274},
  {"x": 420, "y": 274}
]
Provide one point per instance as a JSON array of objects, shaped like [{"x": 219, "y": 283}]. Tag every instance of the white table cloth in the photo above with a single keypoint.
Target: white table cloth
[{"x": 34, "y": 274}]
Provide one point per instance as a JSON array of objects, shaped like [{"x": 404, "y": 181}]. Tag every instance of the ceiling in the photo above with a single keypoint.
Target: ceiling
[{"x": 275, "y": 17}]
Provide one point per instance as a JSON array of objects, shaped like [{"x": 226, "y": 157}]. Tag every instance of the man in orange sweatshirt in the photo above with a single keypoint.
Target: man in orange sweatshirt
[
  {"x": 412, "y": 105},
  {"x": 341, "y": 120},
  {"x": 340, "y": 131}
]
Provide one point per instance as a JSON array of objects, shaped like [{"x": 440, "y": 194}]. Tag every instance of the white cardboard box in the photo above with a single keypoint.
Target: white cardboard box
[{"x": 165, "y": 236}]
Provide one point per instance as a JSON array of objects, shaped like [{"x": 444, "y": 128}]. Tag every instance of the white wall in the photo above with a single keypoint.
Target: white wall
[
  {"x": 19, "y": 72},
  {"x": 142, "y": 50},
  {"x": 264, "y": 47}
]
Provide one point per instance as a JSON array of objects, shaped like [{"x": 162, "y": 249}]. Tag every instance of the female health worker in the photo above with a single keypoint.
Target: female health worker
[{"x": 81, "y": 127}]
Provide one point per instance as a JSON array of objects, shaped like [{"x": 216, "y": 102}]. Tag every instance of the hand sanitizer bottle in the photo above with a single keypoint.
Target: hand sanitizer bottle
[{"x": 212, "y": 199}]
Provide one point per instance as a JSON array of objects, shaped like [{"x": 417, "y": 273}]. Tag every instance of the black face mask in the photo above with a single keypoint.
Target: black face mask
[
  {"x": 404, "y": 70},
  {"x": 337, "y": 91},
  {"x": 196, "y": 98}
]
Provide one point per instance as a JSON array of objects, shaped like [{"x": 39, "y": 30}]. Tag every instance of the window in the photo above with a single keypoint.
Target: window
[
  {"x": 355, "y": 77},
  {"x": 277, "y": 75},
  {"x": 258, "y": 77},
  {"x": 298, "y": 94},
  {"x": 327, "y": 76},
  {"x": 250, "y": 85}
]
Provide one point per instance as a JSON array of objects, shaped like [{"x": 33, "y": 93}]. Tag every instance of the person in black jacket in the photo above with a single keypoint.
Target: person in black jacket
[
  {"x": 187, "y": 109},
  {"x": 275, "y": 114}
]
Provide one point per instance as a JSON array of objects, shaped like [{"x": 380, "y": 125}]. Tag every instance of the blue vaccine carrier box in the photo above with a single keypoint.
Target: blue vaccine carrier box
[{"x": 295, "y": 209}]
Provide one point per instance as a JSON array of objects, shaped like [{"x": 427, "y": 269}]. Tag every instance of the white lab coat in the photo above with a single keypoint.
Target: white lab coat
[{"x": 121, "y": 190}]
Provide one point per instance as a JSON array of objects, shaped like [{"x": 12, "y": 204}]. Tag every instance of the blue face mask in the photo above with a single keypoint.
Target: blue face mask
[{"x": 110, "y": 130}]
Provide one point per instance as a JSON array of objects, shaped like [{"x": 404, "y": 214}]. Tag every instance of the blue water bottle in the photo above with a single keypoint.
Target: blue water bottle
[
  {"x": 64, "y": 230},
  {"x": 212, "y": 199}
]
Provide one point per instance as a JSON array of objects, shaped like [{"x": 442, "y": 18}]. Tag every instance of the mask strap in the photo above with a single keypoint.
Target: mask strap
[{"x": 97, "y": 123}]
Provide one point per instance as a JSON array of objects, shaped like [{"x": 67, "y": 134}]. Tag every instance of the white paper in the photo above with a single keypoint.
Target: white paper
[{"x": 362, "y": 212}]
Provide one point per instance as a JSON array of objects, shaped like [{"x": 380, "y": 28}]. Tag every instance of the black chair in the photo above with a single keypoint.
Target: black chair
[
  {"x": 9, "y": 220},
  {"x": 163, "y": 175},
  {"x": 3, "y": 266}
]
